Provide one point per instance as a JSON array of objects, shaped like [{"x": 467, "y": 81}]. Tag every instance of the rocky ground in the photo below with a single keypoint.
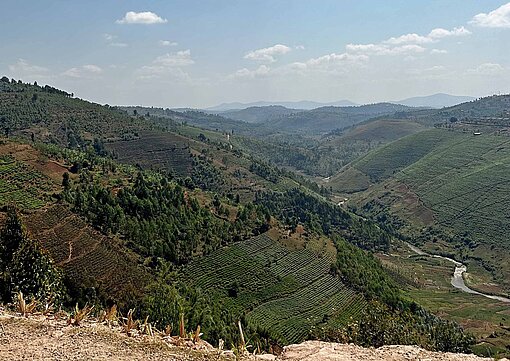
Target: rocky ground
[{"x": 51, "y": 338}]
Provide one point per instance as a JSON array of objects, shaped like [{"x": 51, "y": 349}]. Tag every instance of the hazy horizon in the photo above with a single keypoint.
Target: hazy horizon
[{"x": 202, "y": 53}]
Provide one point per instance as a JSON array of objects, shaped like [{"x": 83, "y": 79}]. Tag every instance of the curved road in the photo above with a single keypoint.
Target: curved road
[{"x": 457, "y": 279}]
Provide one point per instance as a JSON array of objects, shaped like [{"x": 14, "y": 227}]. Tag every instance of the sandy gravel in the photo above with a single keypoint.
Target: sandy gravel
[
  {"x": 325, "y": 351},
  {"x": 40, "y": 338},
  {"x": 35, "y": 339}
]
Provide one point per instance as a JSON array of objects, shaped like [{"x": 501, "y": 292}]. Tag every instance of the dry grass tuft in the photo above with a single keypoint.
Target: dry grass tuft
[
  {"x": 182, "y": 332},
  {"x": 79, "y": 315},
  {"x": 109, "y": 315},
  {"x": 24, "y": 308},
  {"x": 130, "y": 324}
]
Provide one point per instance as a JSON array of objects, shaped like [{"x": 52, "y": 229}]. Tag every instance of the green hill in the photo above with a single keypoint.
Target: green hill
[
  {"x": 459, "y": 179},
  {"x": 52, "y": 115},
  {"x": 177, "y": 226},
  {"x": 285, "y": 289}
]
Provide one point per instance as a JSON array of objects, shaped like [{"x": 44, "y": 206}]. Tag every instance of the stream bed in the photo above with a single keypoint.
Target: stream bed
[{"x": 457, "y": 277}]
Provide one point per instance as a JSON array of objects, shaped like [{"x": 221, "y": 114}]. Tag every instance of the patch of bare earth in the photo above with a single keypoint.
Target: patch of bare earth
[
  {"x": 51, "y": 338},
  {"x": 48, "y": 339},
  {"x": 325, "y": 351}
]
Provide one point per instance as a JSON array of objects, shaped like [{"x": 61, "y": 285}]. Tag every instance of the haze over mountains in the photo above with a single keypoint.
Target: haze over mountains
[{"x": 438, "y": 100}]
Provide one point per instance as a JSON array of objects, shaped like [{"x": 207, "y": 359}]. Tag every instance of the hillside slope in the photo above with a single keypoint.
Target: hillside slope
[{"x": 453, "y": 180}]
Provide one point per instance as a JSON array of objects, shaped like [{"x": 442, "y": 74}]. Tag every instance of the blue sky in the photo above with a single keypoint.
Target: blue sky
[{"x": 200, "y": 53}]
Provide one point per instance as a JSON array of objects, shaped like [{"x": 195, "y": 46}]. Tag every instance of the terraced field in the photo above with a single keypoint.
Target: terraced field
[
  {"x": 288, "y": 292},
  {"x": 84, "y": 254},
  {"x": 465, "y": 183},
  {"x": 155, "y": 150},
  {"x": 463, "y": 179},
  {"x": 455, "y": 181},
  {"x": 21, "y": 185}
]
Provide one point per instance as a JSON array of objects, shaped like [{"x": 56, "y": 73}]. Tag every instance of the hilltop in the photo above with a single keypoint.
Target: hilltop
[
  {"x": 40, "y": 338},
  {"x": 439, "y": 100}
]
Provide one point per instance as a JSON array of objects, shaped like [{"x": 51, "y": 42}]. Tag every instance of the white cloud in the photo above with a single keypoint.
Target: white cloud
[
  {"x": 499, "y": 18},
  {"x": 433, "y": 36},
  {"x": 181, "y": 58},
  {"x": 145, "y": 17},
  {"x": 299, "y": 47},
  {"x": 440, "y": 33},
  {"x": 84, "y": 71},
  {"x": 408, "y": 38},
  {"x": 110, "y": 39},
  {"x": 262, "y": 70},
  {"x": 266, "y": 55},
  {"x": 168, "y": 65},
  {"x": 438, "y": 51},
  {"x": 408, "y": 43},
  {"x": 23, "y": 67},
  {"x": 334, "y": 58},
  {"x": 487, "y": 69},
  {"x": 167, "y": 43},
  {"x": 332, "y": 64},
  {"x": 384, "y": 49}
]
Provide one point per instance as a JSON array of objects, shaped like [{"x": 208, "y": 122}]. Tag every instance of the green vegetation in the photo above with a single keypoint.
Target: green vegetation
[
  {"x": 55, "y": 116},
  {"x": 379, "y": 326},
  {"x": 459, "y": 178},
  {"x": 159, "y": 219},
  {"x": 21, "y": 185},
  {"x": 295, "y": 206},
  {"x": 25, "y": 267},
  {"x": 276, "y": 286},
  {"x": 252, "y": 243}
]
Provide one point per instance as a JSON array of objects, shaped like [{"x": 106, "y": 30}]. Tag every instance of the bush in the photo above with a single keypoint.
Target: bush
[{"x": 24, "y": 266}]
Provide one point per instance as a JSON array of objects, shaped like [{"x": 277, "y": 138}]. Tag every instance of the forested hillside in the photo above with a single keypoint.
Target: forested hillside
[{"x": 186, "y": 227}]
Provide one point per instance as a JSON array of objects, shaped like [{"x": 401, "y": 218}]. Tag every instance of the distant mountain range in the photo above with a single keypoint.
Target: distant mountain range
[
  {"x": 439, "y": 100},
  {"x": 303, "y": 105}
]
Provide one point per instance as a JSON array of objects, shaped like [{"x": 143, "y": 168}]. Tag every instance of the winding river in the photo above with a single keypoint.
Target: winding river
[{"x": 457, "y": 278}]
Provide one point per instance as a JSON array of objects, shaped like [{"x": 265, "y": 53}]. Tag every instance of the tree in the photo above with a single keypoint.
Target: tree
[
  {"x": 24, "y": 266},
  {"x": 11, "y": 235},
  {"x": 34, "y": 274},
  {"x": 66, "y": 182}
]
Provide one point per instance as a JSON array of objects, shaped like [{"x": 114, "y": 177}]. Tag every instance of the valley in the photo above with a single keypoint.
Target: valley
[{"x": 216, "y": 220}]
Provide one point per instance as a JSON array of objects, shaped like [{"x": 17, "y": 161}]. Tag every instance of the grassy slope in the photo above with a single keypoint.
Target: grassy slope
[
  {"x": 88, "y": 258},
  {"x": 281, "y": 282},
  {"x": 460, "y": 178},
  {"x": 27, "y": 109}
]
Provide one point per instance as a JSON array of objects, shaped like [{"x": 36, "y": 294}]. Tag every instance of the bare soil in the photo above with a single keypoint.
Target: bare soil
[{"x": 50, "y": 338}]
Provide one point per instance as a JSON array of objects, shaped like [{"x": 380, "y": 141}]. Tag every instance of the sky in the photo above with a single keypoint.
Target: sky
[{"x": 199, "y": 53}]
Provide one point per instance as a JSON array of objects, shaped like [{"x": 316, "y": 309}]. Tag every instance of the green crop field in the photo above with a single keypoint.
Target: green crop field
[
  {"x": 88, "y": 258},
  {"x": 288, "y": 292},
  {"x": 465, "y": 183},
  {"x": 383, "y": 163},
  {"x": 21, "y": 185},
  {"x": 161, "y": 150},
  {"x": 460, "y": 179}
]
